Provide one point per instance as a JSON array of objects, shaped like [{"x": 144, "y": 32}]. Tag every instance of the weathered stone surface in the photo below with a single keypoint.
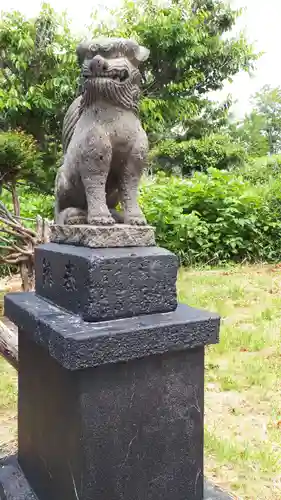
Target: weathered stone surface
[
  {"x": 103, "y": 284},
  {"x": 14, "y": 486},
  {"x": 77, "y": 344},
  {"x": 112, "y": 408},
  {"x": 117, "y": 235},
  {"x": 105, "y": 146},
  {"x": 125, "y": 431}
]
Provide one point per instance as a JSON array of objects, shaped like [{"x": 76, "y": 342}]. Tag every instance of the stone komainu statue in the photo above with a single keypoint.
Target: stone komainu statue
[{"x": 105, "y": 146}]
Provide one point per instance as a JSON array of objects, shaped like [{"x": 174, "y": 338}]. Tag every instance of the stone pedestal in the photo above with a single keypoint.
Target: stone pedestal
[{"x": 111, "y": 377}]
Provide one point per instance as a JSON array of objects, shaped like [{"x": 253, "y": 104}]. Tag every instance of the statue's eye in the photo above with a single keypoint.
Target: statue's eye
[{"x": 130, "y": 53}]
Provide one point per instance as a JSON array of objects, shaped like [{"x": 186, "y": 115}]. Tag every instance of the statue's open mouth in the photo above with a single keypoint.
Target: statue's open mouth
[{"x": 116, "y": 75}]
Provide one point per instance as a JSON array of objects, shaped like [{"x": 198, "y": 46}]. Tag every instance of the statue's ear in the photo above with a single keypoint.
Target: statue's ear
[
  {"x": 81, "y": 51},
  {"x": 142, "y": 54}
]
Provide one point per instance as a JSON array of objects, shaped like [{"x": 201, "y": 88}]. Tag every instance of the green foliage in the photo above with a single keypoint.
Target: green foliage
[
  {"x": 217, "y": 151},
  {"x": 32, "y": 204},
  {"x": 19, "y": 157},
  {"x": 215, "y": 217},
  {"x": 267, "y": 104},
  {"x": 38, "y": 79},
  {"x": 212, "y": 119},
  {"x": 262, "y": 170},
  {"x": 188, "y": 57},
  {"x": 210, "y": 217},
  {"x": 260, "y": 131},
  {"x": 251, "y": 134}
]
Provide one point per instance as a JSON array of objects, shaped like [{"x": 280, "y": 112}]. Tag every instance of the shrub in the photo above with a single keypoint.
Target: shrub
[
  {"x": 31, "y": 203},
  {"x": 214, "y": 151},
  {"x": 19, "y": 157},
  {"x": 261, "y": 170},
  {"x": 214, "y": 217}
]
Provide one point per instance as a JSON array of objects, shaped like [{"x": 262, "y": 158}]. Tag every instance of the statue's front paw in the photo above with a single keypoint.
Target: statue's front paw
[{"x": 138, "y": 220}]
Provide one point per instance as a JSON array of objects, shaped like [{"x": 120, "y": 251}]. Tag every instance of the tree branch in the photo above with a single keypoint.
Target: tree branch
[{"x": 28, "y": 233}]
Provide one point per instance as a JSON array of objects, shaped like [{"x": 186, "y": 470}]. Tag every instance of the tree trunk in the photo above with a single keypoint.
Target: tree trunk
[
  {"x": 24, "y": 267},
  {"x": 9, "y": 342},
  {"x": 27, "y": 275},
  {"x": 16, "y": 201}
]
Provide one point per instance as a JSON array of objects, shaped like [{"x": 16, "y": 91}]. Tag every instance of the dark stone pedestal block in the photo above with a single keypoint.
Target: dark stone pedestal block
[{"x": 107, "y": 283}]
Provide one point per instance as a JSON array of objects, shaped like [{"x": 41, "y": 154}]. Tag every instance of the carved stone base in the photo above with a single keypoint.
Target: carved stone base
[
  {"x": 111, "y": 409},
  {"x": 117, "y": 235},
  {"x": 111, "y": 377}
]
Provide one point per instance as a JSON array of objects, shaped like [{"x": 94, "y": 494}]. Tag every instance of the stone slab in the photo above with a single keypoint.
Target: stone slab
[
  {"x": 14, "y": 486},
  {"x": 110, "y": 283},
  {"x": 116, "y": 235},
  {"x": 77, "y": 344}
]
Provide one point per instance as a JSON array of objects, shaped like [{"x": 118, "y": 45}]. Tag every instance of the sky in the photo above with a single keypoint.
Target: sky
[{"x": 261, "y": 22}]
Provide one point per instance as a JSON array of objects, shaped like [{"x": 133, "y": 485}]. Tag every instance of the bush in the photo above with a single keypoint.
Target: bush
[
  {"x": 261, "y": 170},
  {"x": 214, "y": 151},
  {"x": 214, "y": 217},
  {"x": 19, "y": 157},
  {"x": 31, "y": 203}
]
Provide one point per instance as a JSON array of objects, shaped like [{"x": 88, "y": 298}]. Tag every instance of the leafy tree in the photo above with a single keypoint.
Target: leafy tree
[
  {"x": 260, "y": 131},
  {"x": 212, "y": 118},
  {"x": 189, "y": 57},
  {"x": 267, "y": 107},
  {"x": 251, "y": 134},
  {"x": 262, "y": 170},
  {"x": 213, "y": 151},
  {"x": 38, "y": 79},
  {"x": 19, "y": 159}
]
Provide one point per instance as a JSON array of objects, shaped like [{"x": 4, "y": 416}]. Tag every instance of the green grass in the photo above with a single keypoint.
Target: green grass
[
  {"x": 8, "y": 381},
  {"x": 1, "y": 303},
  {"x": 8, "y": 404},
  {"x": 243, "y": 379},
  {"x": 8, "y": 401}
]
